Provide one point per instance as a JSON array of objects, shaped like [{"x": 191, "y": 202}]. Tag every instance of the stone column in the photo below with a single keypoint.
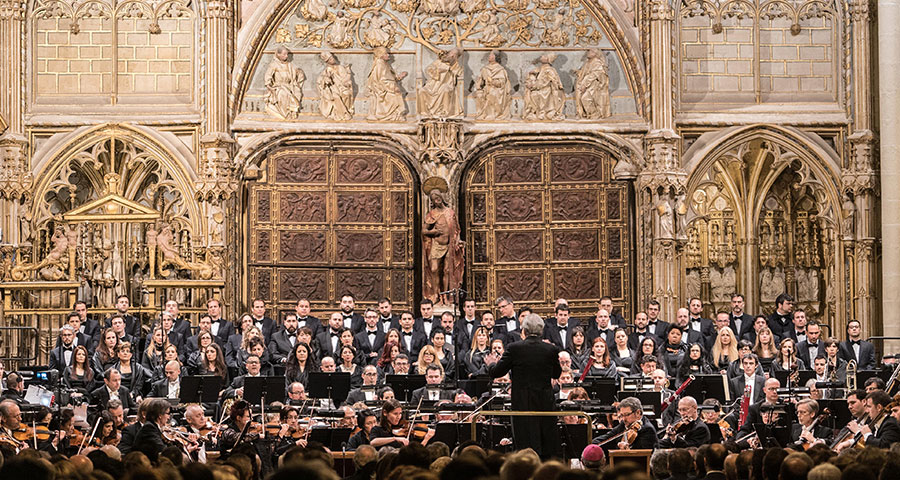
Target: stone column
[
  {"x": 15, "y": 183},
  {"x": 889, "y": 111}
]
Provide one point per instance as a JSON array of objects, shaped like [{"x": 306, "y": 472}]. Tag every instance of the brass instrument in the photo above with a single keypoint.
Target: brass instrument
[{"x": 851, "y": 375}]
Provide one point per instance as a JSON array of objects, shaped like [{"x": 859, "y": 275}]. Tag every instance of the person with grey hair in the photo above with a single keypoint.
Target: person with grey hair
[
  {"x": 824, "y": 471},
  {"x": 807, "y": 430},
  {"x": 631, "y": 417},
  {"x": 532, "y": 364},
  {"x": 690, "y": 431}
]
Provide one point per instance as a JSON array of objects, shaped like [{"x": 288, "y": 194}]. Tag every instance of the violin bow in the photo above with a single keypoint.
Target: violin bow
[
  {"x": 34, "y": 432},
  {"x": 414, "y": 415},
  {"x": 89, "y": 440}
]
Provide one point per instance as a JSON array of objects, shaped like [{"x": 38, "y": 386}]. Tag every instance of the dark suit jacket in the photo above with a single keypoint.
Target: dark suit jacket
[
  {"x": 886, "y": 434},
  {"x": 312, "y": 323},
  {"x": 101, "y": 397},
  {"x": 707, "y": 327},
  {"x": 55, "y": 363},
  {"x": 176, "y": 339},
  {"x": 280, "y": 347},
  {"x": 268, "y": 328},
  {"x": 502, "y": 321},
  {"x": 132, "y": 325},
  {"x": 366, "y": 347},
  {"x": 446, "y": 394},
  {"x": 394, "y": 322},
  {"x": 226, "y": 330},
  {"x": 461, "y": 336},
  {"x": 803, "y": 352},
  {"x": 129, "y": 434},
  {"x": 532, "y": 363},
  {"x": 417, "y": 341},
  {"x": 737, "y": 387},
  {"x": 821, "y": 431},
  {"x": 593, "y": 332},
  {"x": 149, "y": 441},
  {"x": 160, "y": 388},
  {"x": 357, "y": 322},
  {"x": 231, "y": 348},
  {"x": 646, "y": 437},
  {"x": 634, "y": 339},
  {"x": 419, "y": 324},
  {"x": 358, "y": 395},
  {"x": 83, "y": 339},
  {"x": 866, "y": 354},
  {"x": 323, "y": 339},
  {"x": 183, "y": 327},
  {"x": 780, "y": 324},
  {"x": 746, "y": 324},
  {"x": 552, "y": 333},
  {"x": 697, "y": 434},
  {"x": 91, "y": 328},
  {"x": 661, "y": 328}
]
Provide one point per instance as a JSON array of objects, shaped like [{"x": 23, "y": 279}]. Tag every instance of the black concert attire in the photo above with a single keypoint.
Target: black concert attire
[
  {"x": 819, "y": 432},
  {"x": 101, "y": 397},
  {"x": 136, "y": 380},
  {"x": 83, "y": 383},
  {"x": 672, "y": 355},
  {"x": 281, "y": 345},
  {"x": 229, "y": 436},
  {"x": 695, "y": 433},
  {"x": 646, "y": 437},
  {"x": 473, "y": 361},
  {"x": 689, "y": 366},
  {"x": 580, "y": 357},
  {"x": 149, "y": 441},
  {"x": 884, "y": 433},
  {"x": 532, "y": 365},
  {"x": 780, "y": 324},
  {"x": 597, "y": 370},
  {"x": 359, "y": 438},
  {"x": 379, "y": 432},
  {"x": 129, "y": 434},
  {"x": 865, "y": 358}
]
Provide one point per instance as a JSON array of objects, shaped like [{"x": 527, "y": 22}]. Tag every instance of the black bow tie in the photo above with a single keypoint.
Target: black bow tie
[
  {"x": 470, "y": 321},
  {"x": 372, "y": 332},
  {"x": 334, "y": 334},
  {"x": 854, "y": 342},
  {"x": 563, "y": 329},
  {"x": 386, "y": 319},
  {"x": 347, "y": 315},
  {"x": 68, "y": 349},
  {"x": 407, "y": 334}
]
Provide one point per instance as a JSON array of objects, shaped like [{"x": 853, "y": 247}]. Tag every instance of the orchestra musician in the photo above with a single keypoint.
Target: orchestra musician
[
  {"x": 630, "y": 413},
  {"x": 432, "y": 391},
  {"x": 770, "y": 393},
  {"x": 366, "y": 392},
  {"x": 856, "y": 403},
  {"x": 150, "y": 439},
  {"x": 882, "y": 429},
  {"x": 232, "y": 432},
  {"x": 688, "y": 432},
  {"x": 292, "y": 434},
  {"x": 804, "y": 432},
  {"x": 367, "y": 421},
  {"x": 391, "y": 420}
]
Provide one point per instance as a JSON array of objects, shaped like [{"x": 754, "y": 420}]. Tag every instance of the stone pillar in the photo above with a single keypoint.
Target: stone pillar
[
  {"x": 889, "y": 111},
  {"x": 15, "y": 181}
]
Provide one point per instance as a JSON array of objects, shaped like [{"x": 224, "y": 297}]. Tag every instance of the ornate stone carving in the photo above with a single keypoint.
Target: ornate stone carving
[
  {"x": 518, "y": 246},
  {"x": 399, "y": 254},
  {"x": 386, "y": 102},
  {"x": 479, "y": 247},
  {"x": 398, "y": 207},
  {"x": 302, "y": 207},
  {"x": 479, "y": 208},
  {"x": 615, "y": 284},
  {"x": 441, "y": 140},
  {"x": 722, "y": 284},
  {"x": 572, "y": 245},
  {"x": 480, "y": 280},
  {"x": 55, "y": 264},
  {"x": 335, "y": 85},
  {"x": 263, "y": 206},
  {"x": 523, "y": 285},
  {"x": 613, "y": 244},
  {"x": 592, "y": 87},
  {"x": 771, "y": 284},
  {"x": 399, "y": 287},
  {"x": 360, "y": 169},
  {"x": 294, "y": 168},
  {"x": 576, "y": 167},
  {"x": 264, "y": 246},
  {"x": 443, "y": 251},
  {"x": 576, "y": 284},
  {"x": 313, "y": 9},
  {"x": 339, "y": 33},
  {"x": 359, "y": 247},
  {"x": 544, "y": 97},
  {"x": 492, "y": 90},
  {"x": 284, "y": 85},
  {"x": 518, "y": 207},
  {"x": 302, "y": 246},
  {"x": 264, "y": 284},
  {"x": 439, "y": 96},
  {"x": 574, "y": 205},
  {"x": 359, "y": 207},
  {"x": 365, "y": 285},
  {"x": 160, "y": 239},
  {"x": 807, "y": 285},
  {"x": 517, "y": 168},
  {"x": 613, "y": 205},
  {"x": 311, "y": 284}
]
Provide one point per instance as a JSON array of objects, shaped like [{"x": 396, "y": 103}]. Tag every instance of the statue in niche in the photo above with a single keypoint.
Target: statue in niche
[
  {"x": 52, "y": 268},
  {"x": 443, "y": 250},
  {"x": 25, "y": 232},
  {"x": 440, "y": 7},
  {"x": 722, "y": 283},
  {"x": 808, "y": 285},
  {"x": 492, "y": 90},
  {"x": 385, "y": 97},
  {"x": 692, "y": 283},
  {"x": 666, "y": 217},
  {"x": 340, "y": 35},
  {"x": 284, "y": 85},
  {"x": 592, "y": 86},
  {"x": 335, "y": 86},
  {"x": 314, "y": 10},
  {"x": 771, "y": 284},
  {"x": 544, "y": 97},
  {"x": 439, "y": 97},
  {"x": 848, "y": 209},
  {"x": 380, "y": 32}
]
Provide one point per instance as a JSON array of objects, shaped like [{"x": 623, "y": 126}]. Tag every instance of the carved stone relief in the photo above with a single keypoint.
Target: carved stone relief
[
  {"x": 519, "y": 207},
  {"x": 308, "y": 247},
  {"x": 527, "y": 285},
  {"x": 574, "y": 205},
  {"x": 518, "y": 246},
  {"x": 302, "y": 207},
  {"x": 359, "y": 207},
  {"x": 359, "y": 247},
  {"x": 576, "y": 284},
  {"x": 574, "y": 245}
]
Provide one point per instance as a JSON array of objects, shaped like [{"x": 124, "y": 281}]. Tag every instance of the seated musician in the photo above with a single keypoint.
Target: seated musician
[
  {"x": 291, "y": 433},
  {"x": 130, "y": 432},
  {"x": 804, "y": 432},
  {"x": 366, "y": 392},
  {"x": 770, "y": 392},
  {"x": 856, "y": 403},
  {"x": 690, "y": 431},
  {"x": 393, "y": 428},
  {"x": 296, "y": 394},
  {"x": 721, "y": 427},
  {"x": 237, "y": 385},
  {"x": 434, "y": 375},
  {"x": 112, "y": 389},
  {"x": 882, "y": 430},
  {"x": 196, "y": 423},
  {"x": 170, "y": 386},
  {"x": 232, "y": 431},
  {"x": 367, "y": 421},
  {"x": 150, "y": 439},
  {"x": 63, "y": 427},
  {"x": 10, "y": 418},
  {"x": 630, "y": 413}
]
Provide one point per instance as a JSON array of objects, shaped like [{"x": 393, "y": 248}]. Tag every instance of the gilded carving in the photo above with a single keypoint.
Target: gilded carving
[
  {"x": 480, "y": 280},
  {"x": 492, "y": 90},
  {"x": 613, "y": 244},
  {"x": 380, "y": 31},
  {"x": 359, "y": 247},
  {"x": 302, "y": 207},
  {"x": 314, "y": 10},
  {"x": 284, "y": 86},
  {"x": 311, "y": 284},
  {"x": 339, "y": 33},
  {"x": 294, "y": 168},
  {"x": 264, "y": 246},
  {"x": 479, "y": 208},
  {"x": 359, "y": 207},
  {"x": 360, "y": 169},
  {"x": 517, "y": 168},
  {"x": 576, "y": 167},
  {"x": 439, "y": 97},
  {"x": 613, "y": 205},
  {"x": 479, "y": 247},
  {"x": 615, "y": 285},
  {"x": 544, "y": 97},
  {"x": 518, "y": 246},
  {"x": 398, "y": 207},
  {"x": 592, "y": 87},
  {"x": 264, "y": 284},
  {"x": 335, "y": 85},
  {"x": 263, "y": 206},
  {"x": 302, "y": 246},
  {"x": 365, "y": 285},
  {"x": 399, "y": 254},
  {"x": 574, "y": 205},
  {"x": 524, "y": 285},
  {"x": 386, "y": 102},
  {"x": 399, "y": 287},
  {"x": 518, "y": 207},
  {"x": 576, "y": 284},
  {"x": 571, "y": 245}
]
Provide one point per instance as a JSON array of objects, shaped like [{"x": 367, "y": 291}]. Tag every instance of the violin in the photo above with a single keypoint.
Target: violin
[
  {"x": 725, "y": 428},
  {"x": 411, "y": 430}
]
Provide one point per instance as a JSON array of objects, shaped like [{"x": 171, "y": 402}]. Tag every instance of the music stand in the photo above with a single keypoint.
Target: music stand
[
  {"x": 840, "y": 414},
  {"x": 652, "y": 399},
  {"x": 601, "y": 388},
  {"x": 573, "y": 439},
  {"x": 475, "y": 387},
  {"x": 200, "y": 388},
  {"x": 708, "y": 386},
  {"x": 258, "y": 388},
  {"x": 403, "y": 385},
  {"x": 333, "y": 438},
  {"x": 330, "y": 385},
  {"x": 772, "y": 435}
]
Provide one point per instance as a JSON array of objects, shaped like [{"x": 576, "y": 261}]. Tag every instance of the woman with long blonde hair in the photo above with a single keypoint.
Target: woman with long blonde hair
[{"x": 724, "y": 351}]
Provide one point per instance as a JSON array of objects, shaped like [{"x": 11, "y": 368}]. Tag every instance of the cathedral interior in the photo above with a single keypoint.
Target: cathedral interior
[{"x": 534, "y": 149}]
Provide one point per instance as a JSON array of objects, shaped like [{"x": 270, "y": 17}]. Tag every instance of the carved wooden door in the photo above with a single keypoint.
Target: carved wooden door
[
  {"x": 545, "y": 223},
  {"x": 324, "y": 223}
]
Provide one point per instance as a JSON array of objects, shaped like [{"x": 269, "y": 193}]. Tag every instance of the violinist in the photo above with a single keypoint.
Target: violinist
[
  {"x": 367, "y": 421},
  {"x": 130, "y": 432},
  {"x": 150, "y": 439},
  {"x": 231, "y": 434},
  {"x": 856, "y": 403},
  {"x": 10, "y": 419},
  {"x": 807, "y": 430},
  {"x": 60, "y": 440},
  {"x": 292, "y": 433},
  {"x": 386, "y": 432},
  {"x": 721, "y": 427},
  {"x": 882, "y": 430},
  {"x": 688, "y": 432},
  {"x": 198, "y": 424},
  {"x": 631, "y": 414},
  {"x": 106, "y": 431}
]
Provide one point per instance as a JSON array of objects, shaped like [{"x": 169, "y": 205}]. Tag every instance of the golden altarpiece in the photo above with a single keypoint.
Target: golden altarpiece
[{"x": 280, "y": 149}]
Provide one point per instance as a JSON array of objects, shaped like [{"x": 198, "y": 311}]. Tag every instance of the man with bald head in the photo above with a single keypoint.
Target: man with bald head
[
  {"x": 600, "y": 327},
  {"x": 688, "y": 334},
  {"x": 170, "y": 386},
  {"x": 770, "y": 396},
  {"x": 692, "y": 432}
]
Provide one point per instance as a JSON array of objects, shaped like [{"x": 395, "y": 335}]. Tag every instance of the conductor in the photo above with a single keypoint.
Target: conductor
[{"x": 532, "y": 363}]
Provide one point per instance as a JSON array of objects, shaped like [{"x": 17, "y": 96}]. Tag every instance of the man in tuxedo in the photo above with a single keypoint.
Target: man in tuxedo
[
  {"x": 532, "y": 364},
  {"x": 656, "y": 326},
  {"x": 466, "y": 326},
  {"x": 809, "y": 349},
  {"x": 67, "y": 347},
  {"x": 175, "y": 338},
  {"x": 170, "y": 385},
  {"x": 220, "y": 328},
  {"x": 236, "y": 388},
  {"x": 304, "y": 319},
  {"x": 630, "y": 411},
  {"x": 350, "y": 319},
  {"x": 693, "y": 434},
  {"x": 448, "y": 327},
  {"x": 74, "y": 321},
  {"x": 182, "y": 325},
  {"x": 640, "y": 331},
  {"x": 615, "y": 318},
  {"x": 856, "y": 403},
  {"x": 560, "y": 332},
  {"x": 432, "y": 390},
  {"x": 262, "y": 321},
  {"x": 89, "y": 327},
  {"x": 855, "y": 348},
  {"x": 803, "y": 431},
  {"x": 387, "y": 319},
  {"x": 507, "y": 311},
  {"x": 688, "y": 334},
  {"x": 132, "y": 324},
  {"x": 781, "y": 321},
  {"x": 329, "y": 340},
  {"x": 797, "y": 331},
  {"x": 749, "y": 377},
  {"x": 411, "y": 340},
  {"x": 494, "y": 331},
  {"x": 370, "y": 341},
  {"x": 754, "y": 416},
  {"x": 366, "y": 392},
  {"x": 428, "y": 320},
  {"x": 112, "y": 389},
  {"x": 885, "y": 430},
  {"x": 740, "y": 322},
  {"x": 704, "y": 326},
  {"x": 204, "y": 325},
  {"x": 600, "y": 327}
]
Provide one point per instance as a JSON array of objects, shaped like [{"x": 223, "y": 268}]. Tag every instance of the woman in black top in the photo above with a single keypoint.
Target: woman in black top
[
  {"x": 391, "y": 419},
  {"x": 368, "y": 421},
  {"x": 289, "y": 436},
  {"x": 648, "y": 347},
  {"x": 79, "y": 375},
  {"x": 692, "y": 363},
  {"x": 578, "y": 351},
  {"x": 134, "y": 375},
  {"x": 672, "y": 350},
  {"x": 299, "y": 364}
]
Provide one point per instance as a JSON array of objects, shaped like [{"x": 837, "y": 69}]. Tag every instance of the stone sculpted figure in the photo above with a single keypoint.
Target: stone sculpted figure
[
  {"x": 385, "y": 97},
  {"x": 335, "y": 86},
  {"x": 284, "y": 86},
  {"x": 339, "y": 35},
  {"x": 380, "y": 31},
  {"x": 492, "y": 90},
  {"x": 544, "y": 97},
  {"x": 314, "y": 10},
  {"x": 592, "y": 86},
  {"x": 666, "y": 217},
  {"x": 444, "y": 252},
  {"x": 440, "y": 7},
  {"x": 439, "y": 97}
]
